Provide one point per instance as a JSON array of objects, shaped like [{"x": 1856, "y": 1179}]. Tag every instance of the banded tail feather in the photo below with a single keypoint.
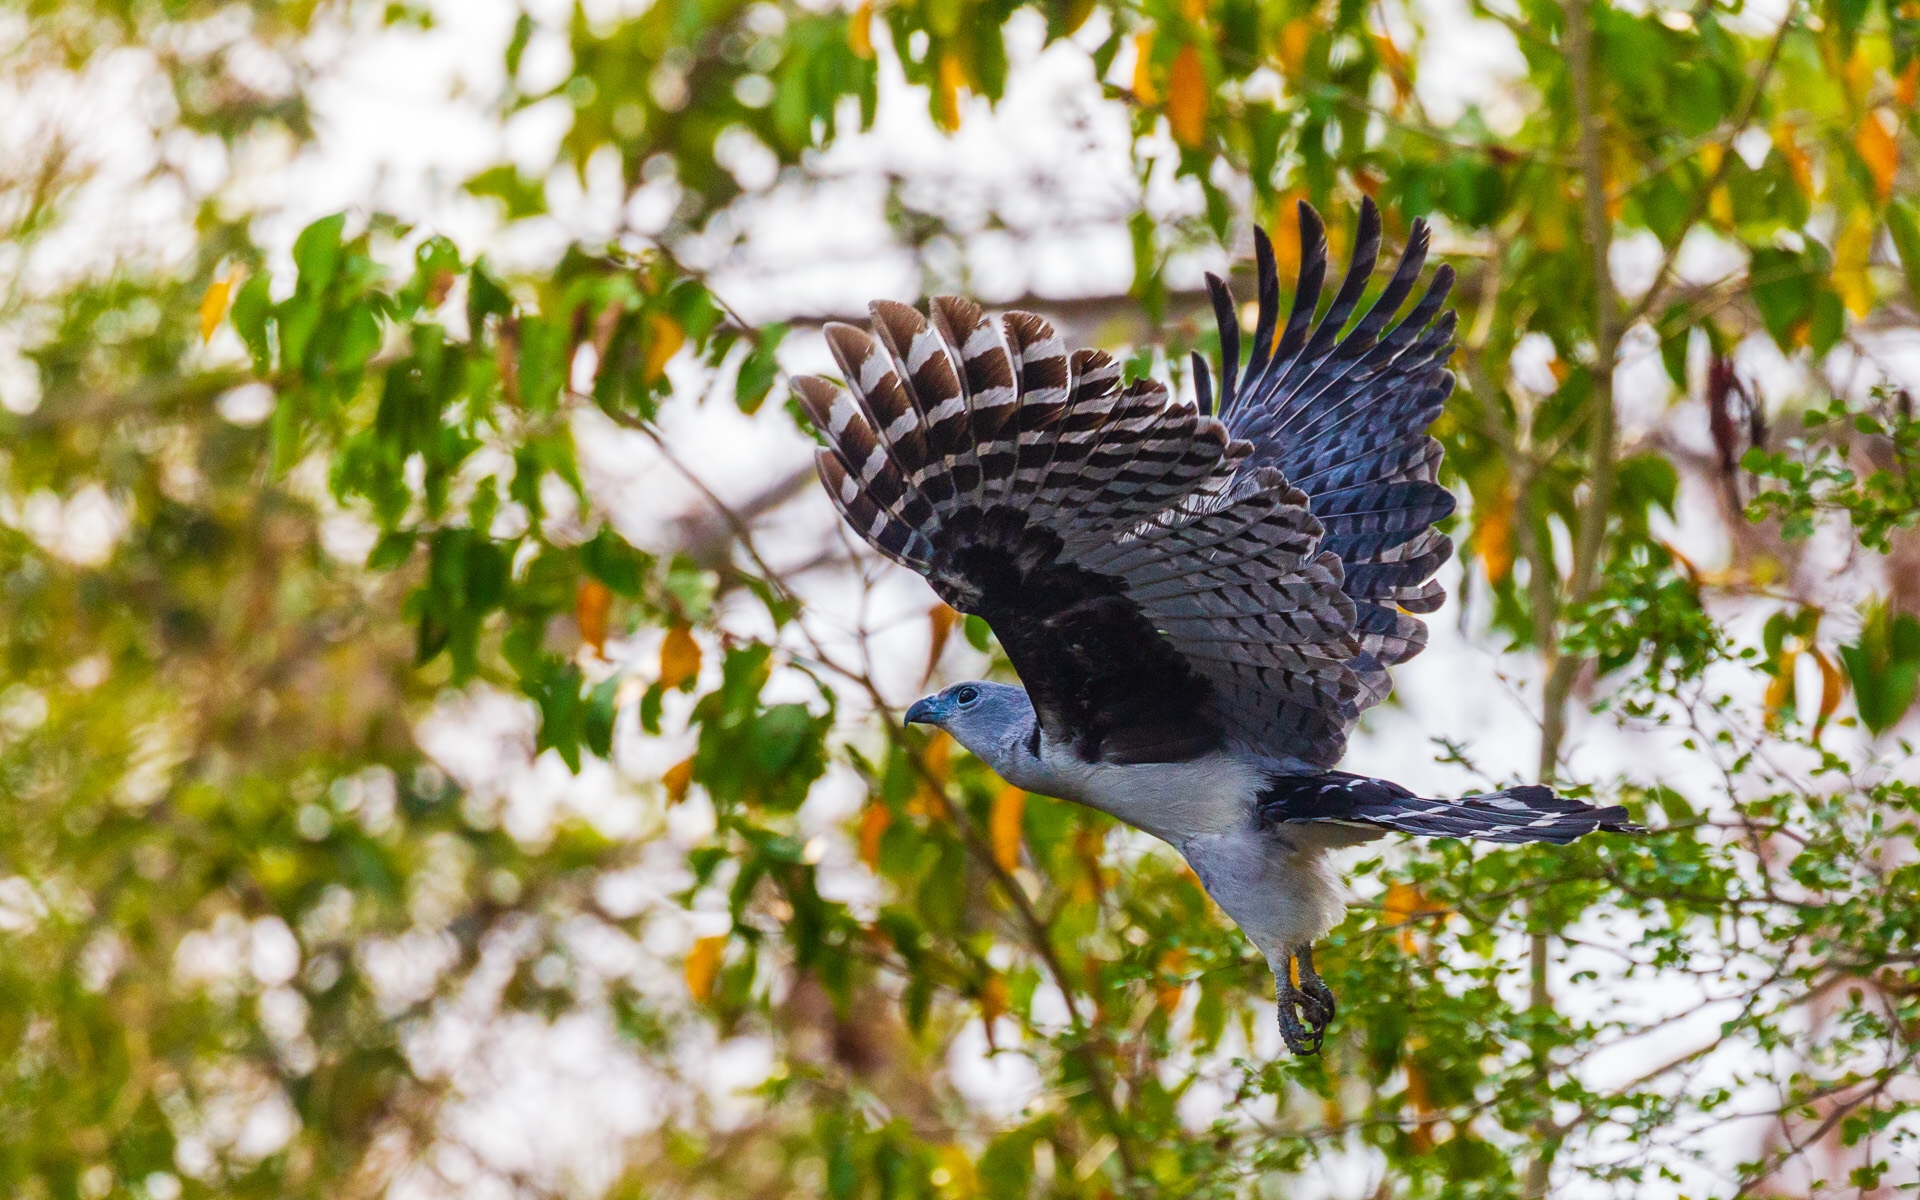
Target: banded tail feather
[{"x": 1518, "y": 814}]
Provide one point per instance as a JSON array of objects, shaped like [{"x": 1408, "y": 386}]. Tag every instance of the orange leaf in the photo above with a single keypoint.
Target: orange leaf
[
  {"x": 590, "y": 605},
  {"x": 941, "y": 620},
  {"x": 1143, "y": 89},
  {"x": 678, "y": 778},
  {"x": 1403, "y": 904},
  {"x": 1187, "y": 98},
  {"x": 952, "y": 78},
  {"x": 1285, "y": 232},
  {"x": 1422, "y": 1099},
  {"x": 1295, "y": 38},
  {"x": 1874, "y": 141},
  {"x": 993, "y": 998},
  {"x": 1493, "y": 536},
  {"x": 860, "y": 30},
  {"x": 1167, "y": 992},
  {"x": 703, "y": 966},
  {"x": 1088, "y": 843},
  {"x": 874, "y": 820},
  {"x": 213, "y": 305},
  {"x": 1798, "y": 162},
  {"x": 664, "y": 339},
  {"x": 679, "y": 658},
  {"x": 930, "y": 801},
  {"x": 1396, "y": 64},
  {"x": 1906, "y": 92},
  {"x": 1003, "y": 826}
]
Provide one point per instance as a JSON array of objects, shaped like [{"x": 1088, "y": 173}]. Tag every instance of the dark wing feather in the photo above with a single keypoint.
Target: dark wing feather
[
  {"x": 1158, "y": 600},
  {"x": 1345, "y": 420}
]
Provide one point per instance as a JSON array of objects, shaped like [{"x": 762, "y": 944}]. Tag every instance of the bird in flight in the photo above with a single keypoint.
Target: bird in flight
[{"x": 1199, "y": 602}]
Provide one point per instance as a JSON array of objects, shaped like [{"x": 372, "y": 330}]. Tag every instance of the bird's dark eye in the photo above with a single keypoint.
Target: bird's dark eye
[{"x": 967, "y": 695}]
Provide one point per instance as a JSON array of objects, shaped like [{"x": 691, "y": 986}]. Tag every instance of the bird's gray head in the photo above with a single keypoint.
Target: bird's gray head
[{"x": 990, "y": 719}]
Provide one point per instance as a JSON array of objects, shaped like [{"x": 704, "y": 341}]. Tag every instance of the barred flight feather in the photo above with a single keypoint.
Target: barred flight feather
[{"x": 1165, "y": 580}]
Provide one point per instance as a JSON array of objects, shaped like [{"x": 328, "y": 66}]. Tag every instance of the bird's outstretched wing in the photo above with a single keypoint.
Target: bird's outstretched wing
[
  {"x": 1345, "y": 420},
  {"x": 1160, "y": 580},
  {"x": 1152, "y": 593}
]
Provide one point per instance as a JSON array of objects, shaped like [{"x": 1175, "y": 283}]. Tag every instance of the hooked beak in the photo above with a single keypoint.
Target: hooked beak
[{"x": 925, "y": 711}]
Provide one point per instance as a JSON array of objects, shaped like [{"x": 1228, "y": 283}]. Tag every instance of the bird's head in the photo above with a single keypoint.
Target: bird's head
[{"x": 990, "y": 719}]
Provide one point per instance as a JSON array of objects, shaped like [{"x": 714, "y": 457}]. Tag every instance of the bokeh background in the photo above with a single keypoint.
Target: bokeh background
[{"x": 448, "y": 747}]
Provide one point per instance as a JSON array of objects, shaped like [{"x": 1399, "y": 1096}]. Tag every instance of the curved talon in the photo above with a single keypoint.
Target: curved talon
[{"x": 1311, "y": 999}]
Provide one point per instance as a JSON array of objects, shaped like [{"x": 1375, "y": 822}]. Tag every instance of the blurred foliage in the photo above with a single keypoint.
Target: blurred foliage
[{"x": 236, "y": 895}]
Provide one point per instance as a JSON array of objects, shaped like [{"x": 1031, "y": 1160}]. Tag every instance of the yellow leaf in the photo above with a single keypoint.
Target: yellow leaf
[
  {"x": 1143, "y": 89},
  {"x": 679, "y": 658},
  {"x": 1493, "y": 536},
  {"x": 1194, "y": 10},
  {"x": 1859, "y": 71},
  {"x": 940, "y": 621},
  {"x": 956, "y": 1174},
  {"x": 1187, "y": 98},
  {"x": 1851, "y": 252},
  {"x": 1296, "y": 36},
  {"x": 874, "y": 820},
  {"x": 678, "y": 778},
  {"x": 590, "y": 606},
  {"x": 1874, "y": 140},
  {"x": 703, "y": 966},
  {"x": 1720, "y": 205},
  {"x": 213, "y": 305},
  {"x": 1832, "y": 687},
  {"x": 860, "y": 30},
  {"x": 952, "y": 78},
  {"x": 1003, "y": 826},
  {"x": 1780, "y": 687},
  {"x": 664, "y": 338}
]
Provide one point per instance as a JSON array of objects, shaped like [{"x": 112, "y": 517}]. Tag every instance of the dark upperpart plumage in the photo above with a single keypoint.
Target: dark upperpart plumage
[{"x": 1166, "y": 582}]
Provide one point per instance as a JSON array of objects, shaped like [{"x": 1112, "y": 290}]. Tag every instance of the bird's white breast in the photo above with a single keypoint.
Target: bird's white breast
[{"x": 1175, "y": 802}]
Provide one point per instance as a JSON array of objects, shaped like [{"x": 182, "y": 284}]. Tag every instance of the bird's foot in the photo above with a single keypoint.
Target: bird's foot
[{"x": 1306, "y": 1008}]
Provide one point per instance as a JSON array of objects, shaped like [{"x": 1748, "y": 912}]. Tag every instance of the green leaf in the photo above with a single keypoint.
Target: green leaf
[
  {"x": 1884, "y": 667},
  {"x": 757, "y": 370},
  {"x": 600, "y": 715},
  {"x": 316, "y": 252},
  {"x": 519, "y": 196},
  {"x": 1903, "y": 222},
  {"x": 251, "y": 308}
]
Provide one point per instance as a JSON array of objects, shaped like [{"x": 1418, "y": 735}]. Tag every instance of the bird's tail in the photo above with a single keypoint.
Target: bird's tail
[{"x": 1517, "y": 814}]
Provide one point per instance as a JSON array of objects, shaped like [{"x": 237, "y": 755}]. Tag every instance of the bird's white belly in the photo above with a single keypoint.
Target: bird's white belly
[
  {"x": 1281, "y": 891},
  {"x": 1282, "y": 896}
]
